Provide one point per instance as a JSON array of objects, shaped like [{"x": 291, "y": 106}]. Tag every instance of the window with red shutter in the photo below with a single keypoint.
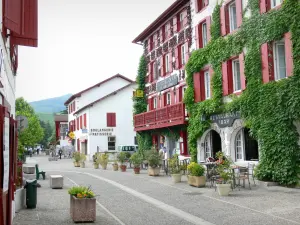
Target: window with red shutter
[
  {"x": 78, "y": 125},
  {"x": 80, "y": 118},
  {"x": 197, "y": 91},
  {"x": 201, "y": 4},
  {"x": 84, "y": 120},
  {"x": 111, "y": 119},
  {"x": 13, "y": 15}
]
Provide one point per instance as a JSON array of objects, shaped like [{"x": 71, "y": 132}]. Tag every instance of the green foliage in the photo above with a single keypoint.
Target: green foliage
[
  {"x": 269, "y": 110},
  {"x": 174, "y": 165},
  {"x": 196, "y": 169},
  {"x": 48, "y": 130},
  {"x": 153, "y": 158},
  {"x": 136, "y": 159},
  {"x": 82, "y": 157},
  {"x": 122, "y": 157},
  {"x": 102, "y": 159},
  {"x": 34, "y": 133},
  {"x": 224, "y": 168},
  {"x": 76, "y": 156},
  {"x": 81, "y": 192}
]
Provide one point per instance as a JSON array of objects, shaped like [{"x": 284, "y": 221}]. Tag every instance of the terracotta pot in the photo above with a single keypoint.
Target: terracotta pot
[
  {"x": 196, "y": 181},
  {"x": 153, "y": 171},
  {"x": 115, "y": 167},
  {"x": 223, "y": 189},
  {"x": 83, "y": 209},
  {"x": 137, "y": 170},
  {"x": 176, "y": 177},
  {"x": 123, "y": 168},
  {"x": 77, "y": 164}
]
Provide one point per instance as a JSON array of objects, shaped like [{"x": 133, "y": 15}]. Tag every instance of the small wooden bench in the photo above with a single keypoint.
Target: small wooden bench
[{"x": 37, "y": 172}]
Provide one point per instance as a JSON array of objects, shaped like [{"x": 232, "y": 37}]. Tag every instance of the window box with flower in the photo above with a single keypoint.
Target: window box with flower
[{"x": 82, "y": 204}]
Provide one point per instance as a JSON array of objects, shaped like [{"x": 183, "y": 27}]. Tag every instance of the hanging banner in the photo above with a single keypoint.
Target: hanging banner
[{"x": 6, "y": 155}]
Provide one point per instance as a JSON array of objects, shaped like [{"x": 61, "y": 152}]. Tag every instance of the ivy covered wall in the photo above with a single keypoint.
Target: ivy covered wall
[{"x": 269, "y": 110}]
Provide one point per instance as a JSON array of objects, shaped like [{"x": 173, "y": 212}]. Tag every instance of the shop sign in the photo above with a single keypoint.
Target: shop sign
[
  {"x": 6, "y": 154},
  {"x": 101, "y": 132},
  {"x": 225, "y": 119},
  {"x": 166, "y": 83}
]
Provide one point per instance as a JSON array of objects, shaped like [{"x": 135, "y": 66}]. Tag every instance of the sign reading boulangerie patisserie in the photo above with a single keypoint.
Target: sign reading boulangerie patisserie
[
  {"x": 101, "y": 132},
  {"x": 225, "y": 119},
  {"x": 166, "y": 83}
]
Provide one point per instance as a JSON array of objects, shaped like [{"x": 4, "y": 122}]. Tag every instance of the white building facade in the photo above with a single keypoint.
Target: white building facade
[{"x": 103, "y": 116}]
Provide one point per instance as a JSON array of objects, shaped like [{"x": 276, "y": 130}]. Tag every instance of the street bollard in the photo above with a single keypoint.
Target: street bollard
[{"x": 31, "y": 193}]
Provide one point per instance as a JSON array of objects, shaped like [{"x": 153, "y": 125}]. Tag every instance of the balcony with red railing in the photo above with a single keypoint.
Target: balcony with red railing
[{"x": 165, "y": 117}]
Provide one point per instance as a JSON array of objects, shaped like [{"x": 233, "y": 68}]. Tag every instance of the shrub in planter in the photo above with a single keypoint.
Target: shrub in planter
[
  {"x": 122, "y": 160},
  {"x": 196, "y": 176},
  {"x": 136, "y": 160},
  {"x": 95, "y": 162},
  {"x": 225, "y": 172},
  {"x": 82, "y": 160},
  {"x": 82, "y": 204},
  {"x": 76, "y": 159},
  {"x": 175, "y": 168},
  {"x": 115, "y": 166},
  {"x": 103, "y": 160},
  {"x": 154, "y": 162}
]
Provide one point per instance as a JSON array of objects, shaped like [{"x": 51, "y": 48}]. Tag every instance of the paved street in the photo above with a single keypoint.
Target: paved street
[{"x": 125, "y": 198}]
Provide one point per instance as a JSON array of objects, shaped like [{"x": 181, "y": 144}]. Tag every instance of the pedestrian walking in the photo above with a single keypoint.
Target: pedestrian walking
[{"x": 60, "y": 152}]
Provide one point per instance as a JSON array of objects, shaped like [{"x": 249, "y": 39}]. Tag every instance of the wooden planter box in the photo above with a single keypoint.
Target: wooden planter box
[
  {"x": 82, "y": 209},
  {"x": 153, "y": 171},
  {"x": 196, "y": 181},
  {"x": 77, "y": 164}
]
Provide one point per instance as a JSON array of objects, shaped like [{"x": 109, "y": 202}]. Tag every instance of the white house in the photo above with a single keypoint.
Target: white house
[{"x": 101, "y": 116}]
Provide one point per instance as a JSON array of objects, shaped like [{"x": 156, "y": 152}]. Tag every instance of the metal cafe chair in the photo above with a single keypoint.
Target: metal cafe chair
[
  {"x": 251, "y": 167},
  {"x": 243, "y": 174}
]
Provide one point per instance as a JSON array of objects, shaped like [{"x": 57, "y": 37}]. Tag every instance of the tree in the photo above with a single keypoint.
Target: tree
[
  {"x": 34, "y": 133},
  {"x": 48, "y": 130}
]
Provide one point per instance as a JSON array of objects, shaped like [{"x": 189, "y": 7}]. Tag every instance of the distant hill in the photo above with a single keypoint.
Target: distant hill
[
  {"x": 50, "y": 105},
  {"x": 47, "y": 117}
]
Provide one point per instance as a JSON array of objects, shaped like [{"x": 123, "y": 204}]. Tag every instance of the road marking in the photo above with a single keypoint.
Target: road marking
[{"x": 102, "y": 206}]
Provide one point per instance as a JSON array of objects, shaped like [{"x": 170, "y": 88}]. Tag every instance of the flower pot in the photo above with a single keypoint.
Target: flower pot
[
  {"x": 223, "y": 189},
  {"x": 96, "y": 166},
  {"x": 115, "y": 167},
  {"x": 176, "y": 178},
  {"x": 104, "y": 166},
  {"x": 82, "y": 164},
  {"x": 123, "y": 168},
  {"x": 137, "y": 170},
  {"x": 83, "y": 209},
  {"x": 77, "y": 164},
  {"x": 153, "y": 171},
  {"x": 196, "y": 181}
]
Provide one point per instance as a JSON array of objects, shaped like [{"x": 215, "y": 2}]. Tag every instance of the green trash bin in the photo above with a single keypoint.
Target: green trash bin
[{"x": 31, "y": 193}]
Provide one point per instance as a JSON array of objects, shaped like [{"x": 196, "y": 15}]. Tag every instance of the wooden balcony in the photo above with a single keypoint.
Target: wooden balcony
[{"x": 164, "y": 117}]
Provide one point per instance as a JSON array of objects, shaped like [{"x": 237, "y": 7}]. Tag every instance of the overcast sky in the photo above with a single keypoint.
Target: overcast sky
[{"x": 82, "y": 42}]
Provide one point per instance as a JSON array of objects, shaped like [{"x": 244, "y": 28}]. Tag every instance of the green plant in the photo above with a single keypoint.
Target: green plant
[
  {"x": 76, "y": 156},
  {"x": 121, "y": 157},
  {"x": 81, "y": 192},
  {"x": 102, "y": 159},
  {"x": 136, "y": 160},
  {"x": 174, "y": 166},
  {"x": 224, "y": 168},
  {"x": 195, "y": 169},
  {"x": 269, "y": 110},
  {"x": 153, "y": 158},
  {"x": 82, "y": 157}
]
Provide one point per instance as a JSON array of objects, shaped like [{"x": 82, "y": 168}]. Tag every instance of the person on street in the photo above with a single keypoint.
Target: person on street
[
  {"x": 30, "y": 152},
  {"x": 60, "y": 152}
]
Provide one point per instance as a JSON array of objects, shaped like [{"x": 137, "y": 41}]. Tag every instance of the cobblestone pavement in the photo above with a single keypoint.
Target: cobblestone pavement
[{"x": 125, "y": 198}]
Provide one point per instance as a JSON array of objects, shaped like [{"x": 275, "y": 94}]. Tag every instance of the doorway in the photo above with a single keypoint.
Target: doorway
[
  {"x": 246, "y": 147},
  {"x": 84, "y": 147},
  {"x": 212, "y": 144}
]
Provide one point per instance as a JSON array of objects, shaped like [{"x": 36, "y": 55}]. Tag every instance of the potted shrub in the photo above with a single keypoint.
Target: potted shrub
[
  {"x": 82, "y": 160},
  {"x": 103, "y": 160},
  {"x": 175, "y": 168},
  {"x": 115, "y": 166},
  {"x": 136, "y": 160},
  {"x": 122, "y": 160},
  {"x": 196, "y": 176},
  {"x": 76, "y": 159},
  {"x": 154, "y": 162},
  {"x": 82, "y": 204},
  {"x": 225, "y": 172},
  {"x": 95, "y": 161}
]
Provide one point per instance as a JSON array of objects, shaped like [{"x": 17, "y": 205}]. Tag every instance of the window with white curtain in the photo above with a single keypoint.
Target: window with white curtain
[
  {"x": 279, "y": 60},
  {"x": 239, "y": 145}
]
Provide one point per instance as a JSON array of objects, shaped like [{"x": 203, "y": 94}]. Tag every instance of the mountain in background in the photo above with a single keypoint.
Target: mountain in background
[{"x": 46, "y": 108}]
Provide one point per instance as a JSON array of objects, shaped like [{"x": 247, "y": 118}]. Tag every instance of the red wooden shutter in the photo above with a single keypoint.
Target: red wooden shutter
[
  {"x": 267, "y": 62},
  {"x": 162, "y": 65},
  {"x": 113, "y": 119},
  {"x": 177, "y": 57},
  {"x": 81, "y": 122},
  {"x": 224, "y": 78},
  {"x": 78, "y": 145},
  {"x": 150, "y": 69},
  {"x": 75, "y": 125},
  {"x": 197, "y": 36},
  {"x": 78, "y": 125},
  {"x": 165, "y": 99},
  {"x": 175, "y": 26},
  {"x": 223, "y": 21},
  {"x": 265, "y": 5},
  {"x": 197, "y": 93},
  {"x": 288, "y": 54},
  {"x": 202, "y": 86},
  {"x": 162, "y": 34},
  {"x": 29, "y": 32},
  {"x": 208, "y": 24},
  {"x": 187, "y": 55},
  {"x": 108, "y": 119},
  {"x": 197, "y": 6},
  {"x": 170, "y": 62},
  {"x": 84, "y": 120},
  {"x": 242, "y": 71},
  {"x": 239, "y": 12},
  {"x": 180, "y": 96},
  {"x": 227, "y": 26},
  {"x": 230, "y": 76},
  {"x": 13, "y": 15},
  {"x": 149, "y": 104}
]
